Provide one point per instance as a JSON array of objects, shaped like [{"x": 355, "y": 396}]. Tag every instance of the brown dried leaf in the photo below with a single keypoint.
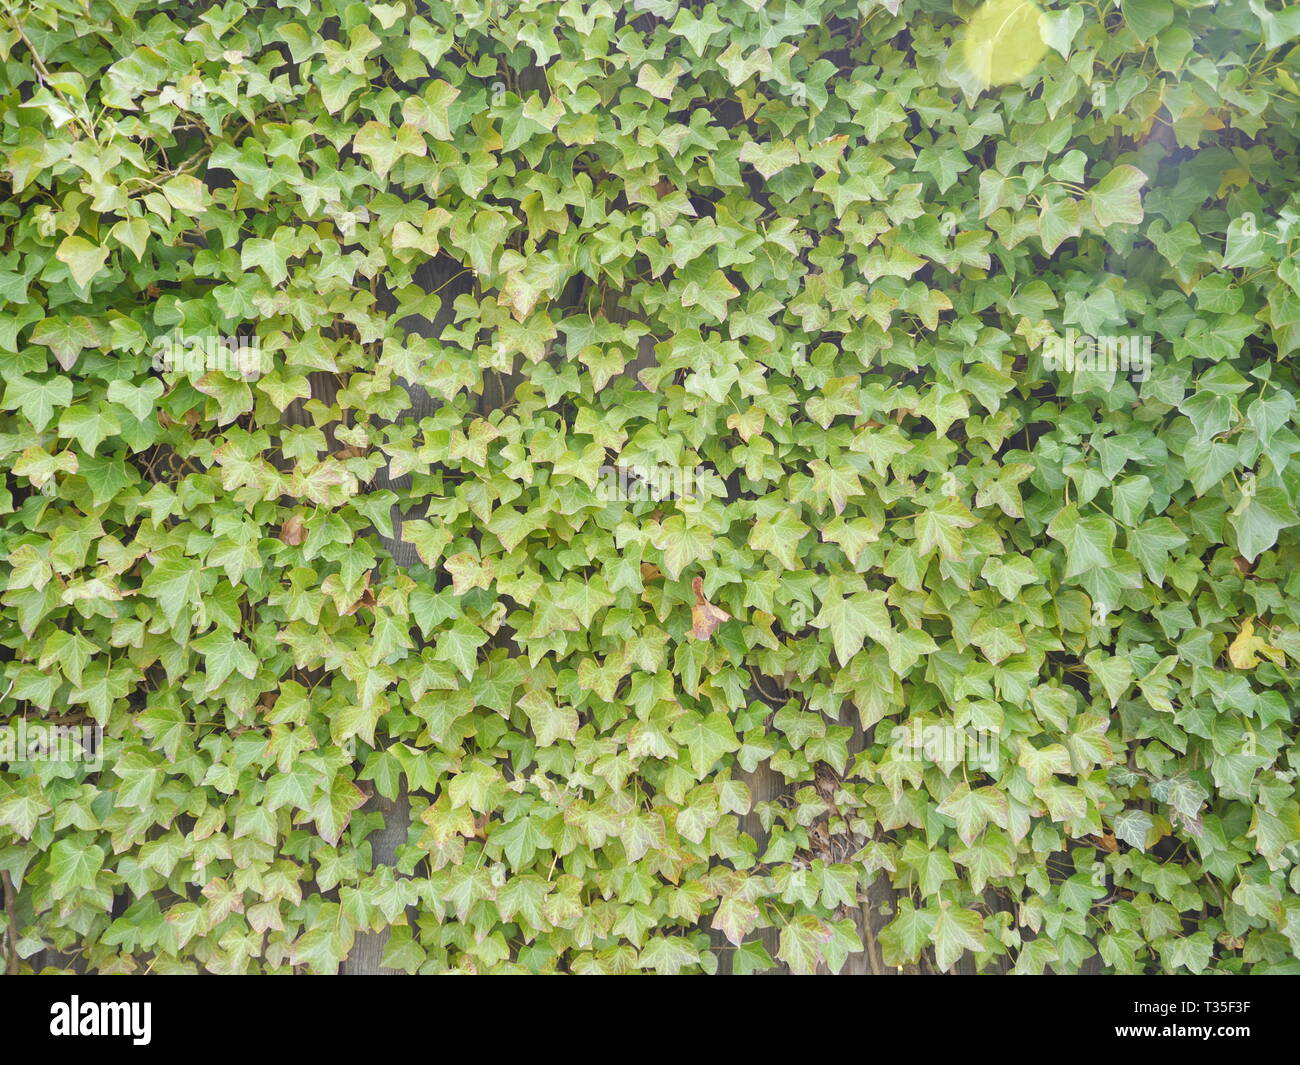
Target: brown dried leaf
[
  {"x": 705, "y": 617},
  {"x": 367, "y": 600},
  {"x": 294, "y": 530}
]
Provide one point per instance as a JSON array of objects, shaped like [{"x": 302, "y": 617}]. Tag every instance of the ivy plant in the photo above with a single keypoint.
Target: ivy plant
[{"x": 754, "y": 483}]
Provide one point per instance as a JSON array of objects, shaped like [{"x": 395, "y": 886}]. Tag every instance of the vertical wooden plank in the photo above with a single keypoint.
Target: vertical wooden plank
[
  {"x": 10, "y": 938},
  {"x": 765, "y": 785},
  {"x": 446, "y": 276},
  {"x": 366, "y": 956},
  {"x": 867, "y": 916}
]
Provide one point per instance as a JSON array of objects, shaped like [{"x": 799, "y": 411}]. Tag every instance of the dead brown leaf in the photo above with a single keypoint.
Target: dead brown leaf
[
  {"x": 705, "y": 617},
  {"x": 294, "y": 530}
]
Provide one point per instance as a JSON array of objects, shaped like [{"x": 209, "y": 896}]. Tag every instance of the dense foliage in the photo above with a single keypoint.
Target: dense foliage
[{"x": 818, "y": 254}]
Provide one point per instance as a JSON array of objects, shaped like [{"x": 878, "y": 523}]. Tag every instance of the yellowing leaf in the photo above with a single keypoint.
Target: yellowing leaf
[{"x": 83, "y": 259}]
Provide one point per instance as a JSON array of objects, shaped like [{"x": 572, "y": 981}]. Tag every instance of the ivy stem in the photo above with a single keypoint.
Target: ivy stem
[{"x": 43, "y": 73}]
